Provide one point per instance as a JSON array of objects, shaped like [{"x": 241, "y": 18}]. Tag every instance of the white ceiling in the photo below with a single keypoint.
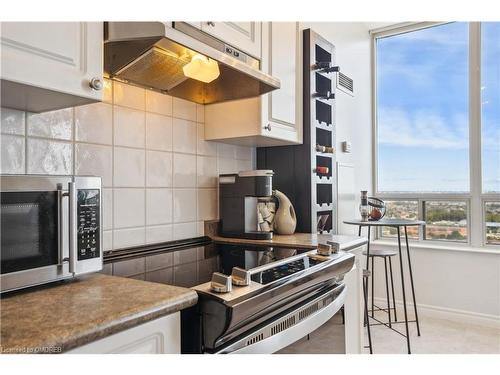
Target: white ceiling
[{"x": 376, "y": 25}]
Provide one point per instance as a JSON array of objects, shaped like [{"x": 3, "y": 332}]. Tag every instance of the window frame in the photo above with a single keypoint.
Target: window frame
[{"x": 475, "y": 198}]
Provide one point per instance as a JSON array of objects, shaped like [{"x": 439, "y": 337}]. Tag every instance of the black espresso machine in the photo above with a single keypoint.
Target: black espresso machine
[{"x": 240, "y": 195}]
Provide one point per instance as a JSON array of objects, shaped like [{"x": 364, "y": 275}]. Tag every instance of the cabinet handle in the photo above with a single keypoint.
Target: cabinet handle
[
  {"x": 95, "y": 84},
  {"x": 211, "y": 23},
  {"x": 268, "y": 127}
]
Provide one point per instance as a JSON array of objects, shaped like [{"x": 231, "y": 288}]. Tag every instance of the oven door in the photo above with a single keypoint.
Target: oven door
[
  {"x": 34, "y": 230},
  {"x": 292, "y": 325}
]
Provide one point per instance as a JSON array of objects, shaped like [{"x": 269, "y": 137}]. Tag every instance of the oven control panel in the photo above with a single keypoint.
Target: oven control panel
[
  {"x": 283, "y": 270},
  {"x": 88, "y": 217}
]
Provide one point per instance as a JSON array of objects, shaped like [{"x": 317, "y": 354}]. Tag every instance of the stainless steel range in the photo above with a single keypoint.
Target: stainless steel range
[{"x": 263, "y": 299}]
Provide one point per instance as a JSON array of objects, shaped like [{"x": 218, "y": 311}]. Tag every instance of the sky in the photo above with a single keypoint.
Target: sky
[{"x": 422, "y": 109}]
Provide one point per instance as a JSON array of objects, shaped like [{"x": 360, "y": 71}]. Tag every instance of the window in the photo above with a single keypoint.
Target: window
[
  {"x": 446, "y": 220},
  {"x": 401, "y": 209},
  {"x": 490, "y": 105},
  {"x": 433, "y": 117},
  {"x": 492, "y": 219},
  {"x": 422, "y": 110}
]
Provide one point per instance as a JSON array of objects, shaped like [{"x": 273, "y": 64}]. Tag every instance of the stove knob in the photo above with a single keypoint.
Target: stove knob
[
  {"x": 324, "y": 249},
  {"x": 221, "y": 283},
  {"x": 240, "y": 276}
]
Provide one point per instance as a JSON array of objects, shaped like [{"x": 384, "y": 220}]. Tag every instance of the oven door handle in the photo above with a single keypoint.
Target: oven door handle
[{"x": 73, "y": 228}]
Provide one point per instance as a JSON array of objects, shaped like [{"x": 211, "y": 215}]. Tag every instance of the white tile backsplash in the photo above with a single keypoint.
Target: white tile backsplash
[
  {"x": 129, "y": 208},
  {"x": 184, "y": 205},
  {"x": 208, "y": 148},
  {"x": 227, "y": 165},
  {"x": 226, "y": 151},
  {"x": 158, "y": 206},
  {"x": 206, "y": 171},
  {"x": 129, "y": 237},
  {"x": 13, "y": 121},
  {"x": 158, "y": 169},
  {"x": 200, "y": 113},
  {"x": 159, "y": 233},
  {"x": 13, "y": 154},
  {"x": 243, "y": 153},
  {"x": 107, "y": 209},
  {"x": 158, "y": 103},
  {"x": 94, "y": 123},
  {"x": 207, "y": 204},
  {"x": 49, "y": 157},
  {"x": 159, "y": 174},
  {"x": 129, "y": 127},
  {"x": 184, "y": 170},
  {"x": 55, "y": 124},
  {"x": 184, "y": 136},
  {"x": 129, "y": 96},
  {"x": 184, "y": 230},
  {"x": 95, "y": 160},
  {"x": 107, "y": 240},
  {"x": 129, "y": 167},
  {"x": 158, "y": 132},
  {"x": 183, "y": 109}
]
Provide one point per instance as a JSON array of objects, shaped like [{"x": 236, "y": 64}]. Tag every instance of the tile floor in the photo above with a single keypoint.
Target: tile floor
[{"x": 438, "y": 336}]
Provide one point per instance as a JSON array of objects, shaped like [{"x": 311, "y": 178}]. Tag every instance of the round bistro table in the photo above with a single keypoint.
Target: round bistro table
[{"x": 398, "y": 224}]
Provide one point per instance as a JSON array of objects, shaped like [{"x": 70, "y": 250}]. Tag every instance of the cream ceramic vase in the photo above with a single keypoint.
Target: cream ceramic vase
[{"x": 285, "y": 220}]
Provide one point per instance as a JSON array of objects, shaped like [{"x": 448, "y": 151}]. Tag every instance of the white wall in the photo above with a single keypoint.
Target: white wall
[
  {"x": 159, "y": 175},
  {"x": 461, "y": 282}
]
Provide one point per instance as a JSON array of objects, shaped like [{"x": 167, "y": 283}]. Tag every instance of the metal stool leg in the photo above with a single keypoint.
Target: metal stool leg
[
  {"x": 387, "y": 292},
  {"x": 373, "y": 287},
  {"x": 403, "y": 287},
  {"x": 411, "y": 281},
  {"x": 367, "y": 319},
  {"x": 392, "y": 287}
]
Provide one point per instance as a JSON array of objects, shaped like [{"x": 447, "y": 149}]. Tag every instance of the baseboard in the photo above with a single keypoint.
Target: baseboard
[{"x": 456, "y": 315}]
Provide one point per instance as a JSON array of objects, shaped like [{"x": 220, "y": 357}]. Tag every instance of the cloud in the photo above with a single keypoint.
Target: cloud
[
  {"x": 453, "y": 34},
  {"x": 422, "y": 129}
]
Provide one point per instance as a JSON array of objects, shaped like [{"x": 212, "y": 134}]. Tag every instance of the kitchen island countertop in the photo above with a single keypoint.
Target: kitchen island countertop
[
  {"x": 298, "y": 240},
  {"x": 67, "y": 315}
]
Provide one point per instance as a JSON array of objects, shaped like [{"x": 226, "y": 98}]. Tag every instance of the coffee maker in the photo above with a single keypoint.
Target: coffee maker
[{"x": 240, "y": 197}]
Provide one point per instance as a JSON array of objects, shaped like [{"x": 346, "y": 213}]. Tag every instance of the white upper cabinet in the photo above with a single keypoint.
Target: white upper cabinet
[
  {"x": 51, "y": 65},
  {"x": 242, "y": 35},
  {"x": 273, "y": 119}
]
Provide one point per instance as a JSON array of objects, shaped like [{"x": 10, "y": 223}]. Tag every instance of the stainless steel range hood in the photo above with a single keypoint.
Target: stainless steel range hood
[{"x": 152, "y": 55}]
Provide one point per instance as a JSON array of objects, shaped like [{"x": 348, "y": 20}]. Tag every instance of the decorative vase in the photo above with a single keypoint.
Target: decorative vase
[
  {"x": 364, "y": 209},
  {"x": 285, "y": 220}
]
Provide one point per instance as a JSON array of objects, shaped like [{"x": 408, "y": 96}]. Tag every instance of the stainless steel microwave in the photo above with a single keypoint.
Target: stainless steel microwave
[{"x": 51, "y": 229}]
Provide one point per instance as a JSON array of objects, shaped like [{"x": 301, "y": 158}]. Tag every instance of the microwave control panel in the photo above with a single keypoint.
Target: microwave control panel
[{"x": 88, "y": 217}]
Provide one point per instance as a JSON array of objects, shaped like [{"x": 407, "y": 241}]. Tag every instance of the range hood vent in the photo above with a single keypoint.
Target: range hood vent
[{"x": 153, "y": 54}]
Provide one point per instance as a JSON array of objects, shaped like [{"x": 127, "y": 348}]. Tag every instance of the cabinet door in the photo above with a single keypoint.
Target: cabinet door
[
  {"x": 274, "y": 119},
  {"x": 282, "y": 109},
  {"x": 58, "y": 56},
  {"x": 242, "y": 35},
  {"x": 160, "y": 336}
]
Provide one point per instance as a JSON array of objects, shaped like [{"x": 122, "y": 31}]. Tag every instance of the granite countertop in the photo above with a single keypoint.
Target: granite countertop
[
  {"x": 299, "y": 240},
  {"x": 74, "y": 313}
]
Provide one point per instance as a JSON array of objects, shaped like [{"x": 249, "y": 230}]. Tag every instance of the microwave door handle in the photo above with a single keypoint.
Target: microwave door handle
[
  {"x": 60, "y": 240},
  {"x": 73, "y": 227}
]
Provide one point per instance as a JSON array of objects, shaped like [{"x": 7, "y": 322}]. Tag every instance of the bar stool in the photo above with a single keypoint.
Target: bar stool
[
  {"x": 366, "y": 275},
  {"x": 397, "y": 224},
  {"x": 386, "y": 255}
]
